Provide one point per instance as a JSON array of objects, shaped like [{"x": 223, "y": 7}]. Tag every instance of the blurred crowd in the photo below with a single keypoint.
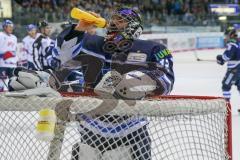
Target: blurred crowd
[{"x": 155, "y": 12}]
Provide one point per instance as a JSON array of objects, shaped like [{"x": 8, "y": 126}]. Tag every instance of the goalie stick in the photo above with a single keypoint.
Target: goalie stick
[{"x": 62, "y": 112}]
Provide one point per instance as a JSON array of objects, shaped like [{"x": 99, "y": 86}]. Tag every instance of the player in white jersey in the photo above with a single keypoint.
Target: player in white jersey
[
  {"x": 42, "y": 46},
  {"x": 8, "y": 47},
  {"x": 28, "y": 44}
]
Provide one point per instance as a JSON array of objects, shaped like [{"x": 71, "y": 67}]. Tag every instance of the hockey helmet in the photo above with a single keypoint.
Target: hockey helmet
[
  {"x": 31, "y": 27},
  {"x": 231, "y": 32},
  {"x": 43, "y": 24},
  {"x": 7, "y": 22},
  {"x": 66, "y": 24}
]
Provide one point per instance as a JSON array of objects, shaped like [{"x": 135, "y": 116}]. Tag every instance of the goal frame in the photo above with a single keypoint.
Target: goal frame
[
  {"x": 66, "y": 109},
  {"x": 228, "y": 106}
]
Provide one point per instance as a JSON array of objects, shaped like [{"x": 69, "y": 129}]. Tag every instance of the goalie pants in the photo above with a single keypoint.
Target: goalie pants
[{"x": 139, "y": 141}]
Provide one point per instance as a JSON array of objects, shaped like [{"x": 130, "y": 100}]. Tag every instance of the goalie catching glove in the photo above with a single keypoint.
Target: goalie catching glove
[
  {"x": 132, "y": 85},
  {"x": 29, "y": 83}
]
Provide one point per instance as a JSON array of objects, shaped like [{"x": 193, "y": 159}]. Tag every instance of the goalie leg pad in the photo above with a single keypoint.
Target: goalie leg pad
[
  {"x": 27, "y": 80},
  {"x": 135, "y": 85},
  {"x": 82, "y": 151},
  {"x": 120, "y": 153},
  {"x": 14, "y": 84}
]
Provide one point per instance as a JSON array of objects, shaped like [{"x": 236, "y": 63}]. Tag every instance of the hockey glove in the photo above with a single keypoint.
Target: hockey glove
[
  {"x": 106, "y": 87},
  {"x": 135, "y": 85},
  {"x": 220, "y": 60},
  {"x": 132, "y": 85}
]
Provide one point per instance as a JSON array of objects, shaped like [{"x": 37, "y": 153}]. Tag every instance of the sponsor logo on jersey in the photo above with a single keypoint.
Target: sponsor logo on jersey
[
  {"x": 162, "y": 54},
  {"x": 136, "y": 57}
]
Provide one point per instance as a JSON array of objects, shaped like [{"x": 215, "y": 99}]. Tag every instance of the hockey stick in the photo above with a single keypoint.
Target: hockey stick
[{"x": 199, "y": 59}]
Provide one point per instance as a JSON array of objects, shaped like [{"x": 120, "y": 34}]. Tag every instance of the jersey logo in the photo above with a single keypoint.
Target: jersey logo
[
  {"x": 136, "y": 57},
  {"x": 162, "y": 54}
]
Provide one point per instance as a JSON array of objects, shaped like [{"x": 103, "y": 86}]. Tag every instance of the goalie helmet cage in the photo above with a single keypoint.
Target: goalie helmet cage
[{"x": 178, "y": 127}]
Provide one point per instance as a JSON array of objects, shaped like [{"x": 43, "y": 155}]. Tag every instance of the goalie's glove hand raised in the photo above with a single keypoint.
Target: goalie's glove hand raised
[{"x": 27, "y": 83}]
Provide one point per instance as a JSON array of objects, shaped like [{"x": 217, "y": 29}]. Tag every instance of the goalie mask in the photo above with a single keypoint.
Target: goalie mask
[{"x": 124, "y": 26}]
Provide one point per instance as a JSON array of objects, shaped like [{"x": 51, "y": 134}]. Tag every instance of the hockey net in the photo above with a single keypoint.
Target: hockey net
[{"x": 157, "y": 128}]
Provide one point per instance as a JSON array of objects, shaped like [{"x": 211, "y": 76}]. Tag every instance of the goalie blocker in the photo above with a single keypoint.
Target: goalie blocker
[{"x": 132, "y": 85}]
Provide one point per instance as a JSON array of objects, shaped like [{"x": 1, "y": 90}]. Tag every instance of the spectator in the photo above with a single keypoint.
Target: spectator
[{"x": 156, "y": 12}]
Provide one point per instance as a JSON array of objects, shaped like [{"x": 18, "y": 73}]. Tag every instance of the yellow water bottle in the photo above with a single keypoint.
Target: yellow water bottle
[
  {"x": 79, "y": 14},
  {"x": 46, "y": 124}
]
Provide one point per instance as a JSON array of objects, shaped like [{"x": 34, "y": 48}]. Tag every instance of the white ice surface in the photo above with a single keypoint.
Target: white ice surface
[
  {"x": 204, "y": 78},
  {"x": 197, "y": 78}
]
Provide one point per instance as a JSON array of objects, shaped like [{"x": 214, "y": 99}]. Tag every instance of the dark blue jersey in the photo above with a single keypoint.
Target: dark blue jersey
[
  {"x": 150, "y": 57},
  {"x": 232, "y": 54}
]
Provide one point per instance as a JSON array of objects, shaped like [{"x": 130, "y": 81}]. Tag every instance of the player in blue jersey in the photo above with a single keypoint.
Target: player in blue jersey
[
  {"x": 118, "y": 65},
  {"x": 232, "y": 56}
]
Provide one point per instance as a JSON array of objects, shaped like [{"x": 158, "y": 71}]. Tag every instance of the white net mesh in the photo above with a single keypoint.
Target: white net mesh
[{"x": 97, "y": 129}]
